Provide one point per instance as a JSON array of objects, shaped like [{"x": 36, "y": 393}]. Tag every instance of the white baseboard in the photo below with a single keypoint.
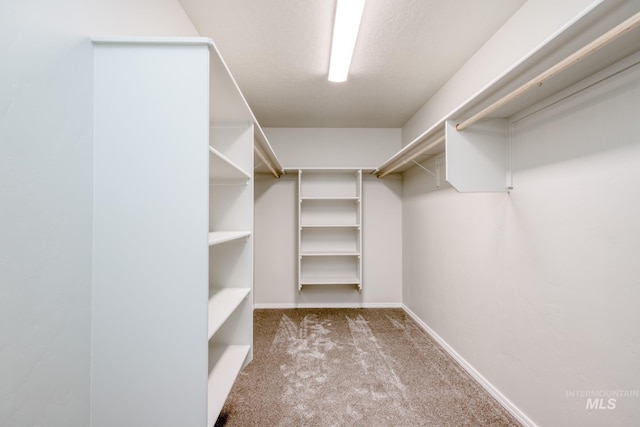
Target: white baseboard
[
  {"x": 328, "y": 305},
  {"x": 490, "y": 388}
]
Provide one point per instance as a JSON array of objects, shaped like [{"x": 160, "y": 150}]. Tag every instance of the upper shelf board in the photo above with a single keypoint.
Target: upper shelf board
[{"x": 550, "y": 52}]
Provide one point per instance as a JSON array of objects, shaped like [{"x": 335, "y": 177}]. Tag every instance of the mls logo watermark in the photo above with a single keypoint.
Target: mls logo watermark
[
  {"x": 599, "y": 403},
  {"x": 602, "y": 399}
]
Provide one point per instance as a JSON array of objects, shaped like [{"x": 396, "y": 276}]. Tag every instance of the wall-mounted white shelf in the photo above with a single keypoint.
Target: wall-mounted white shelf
[
  {"x": 329, "y": 227},
  {"x": 223, "y": 302},
  {"x": 218, "y": 237},
  {"x": 225, "y": 363},
  {"x": 564, "y": 64},
  {"x": 222, "y": 168}
]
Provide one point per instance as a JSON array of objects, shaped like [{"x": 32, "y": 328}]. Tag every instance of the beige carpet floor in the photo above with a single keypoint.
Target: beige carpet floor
[{"x": 353, "y": 367}]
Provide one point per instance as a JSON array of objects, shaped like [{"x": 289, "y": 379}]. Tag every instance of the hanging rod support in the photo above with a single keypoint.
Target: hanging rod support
[
  {"x": 427, "y": 147},
  {"x": 423, "y": 168},
  {"x": 265, "y": 161}
]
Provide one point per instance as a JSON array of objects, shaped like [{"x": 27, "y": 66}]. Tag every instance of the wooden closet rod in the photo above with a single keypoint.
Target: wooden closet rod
[
  {"x": 427, "y": 147},
  {"x": 266, "y": 161},
  {"x": 577, "y": 56}
]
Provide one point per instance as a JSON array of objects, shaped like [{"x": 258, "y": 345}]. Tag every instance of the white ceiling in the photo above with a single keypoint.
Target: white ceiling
[{"x": 278, "y": 51}]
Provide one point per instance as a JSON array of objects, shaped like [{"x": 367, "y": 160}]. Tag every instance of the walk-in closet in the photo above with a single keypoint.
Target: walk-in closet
[{"x": 331, "y": 213}]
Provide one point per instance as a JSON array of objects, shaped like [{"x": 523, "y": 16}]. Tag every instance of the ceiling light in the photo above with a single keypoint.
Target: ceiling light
[{"x": 345, "y": 33}]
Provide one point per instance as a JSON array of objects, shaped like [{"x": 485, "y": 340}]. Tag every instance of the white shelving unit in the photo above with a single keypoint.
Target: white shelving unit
[
  {"x": 583, "y": 54},
  {"x": 230, "y": 258},
  {"x": 173, "y": 232},
  {"x": 330, "y": 227}
]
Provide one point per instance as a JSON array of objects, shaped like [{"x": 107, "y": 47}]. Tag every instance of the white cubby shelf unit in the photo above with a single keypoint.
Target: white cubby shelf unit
[
  {"x": 172, "y": 311},
  {"x": 230, "y": 257},
  {"x": 330, "y": 227}
]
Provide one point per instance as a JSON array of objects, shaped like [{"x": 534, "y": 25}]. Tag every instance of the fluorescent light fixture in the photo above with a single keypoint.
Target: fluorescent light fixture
[{"x": 345, "y": 33}]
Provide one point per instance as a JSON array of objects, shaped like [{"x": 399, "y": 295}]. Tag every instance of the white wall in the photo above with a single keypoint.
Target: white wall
[
  {"x": 140, "y": 18},
  {"x": 333, "y": 147},
  {"x": 46, "y": 193},
  {"x": 276, "y": 219},
  {"x": 538, "y": 290}
]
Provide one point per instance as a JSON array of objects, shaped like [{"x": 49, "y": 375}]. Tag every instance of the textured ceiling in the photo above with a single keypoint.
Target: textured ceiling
[{"x": 278, "y": 51}]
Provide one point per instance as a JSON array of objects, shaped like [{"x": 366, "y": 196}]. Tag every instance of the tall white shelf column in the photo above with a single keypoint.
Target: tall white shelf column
[
  {"x": 230, "y": 259},
  {"x": 330, "y": 227},
  {"x": 172, "y": 320}
]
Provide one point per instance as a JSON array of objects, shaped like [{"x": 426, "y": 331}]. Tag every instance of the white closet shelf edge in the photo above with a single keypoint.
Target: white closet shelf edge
[
  {"x": 357, "y": 226},
  {"x": 347, "y": 198},
  {"x": 222, "y": 304},
  {"x": 329, "y": 281},
  {"x": 329, "y": 253},
  {"x": 217, "y": 237},
  {"x": 225, "y": 363}
]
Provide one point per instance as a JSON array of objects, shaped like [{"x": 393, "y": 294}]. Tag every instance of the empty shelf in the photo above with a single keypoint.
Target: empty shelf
[
  {"x": 221, "y": 167},
  {"x": 329, "y": 253},
  {"x": 225, "y": 363},
  {"x": 329, "y": 226},
  {"x": 347, "y": 199},
  {"x": 221, "y": 304},
  {"x": 329, "y": 280},
  {"x": 217, "y": 237}
]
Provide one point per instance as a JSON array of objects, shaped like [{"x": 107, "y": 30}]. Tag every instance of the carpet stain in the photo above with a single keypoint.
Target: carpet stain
[
  {"x": 385, "y": 388},
  {"x": 376, "y": 365},
  {"x": 308, "y": 345},
  {"x": 353, "y": 367}
]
